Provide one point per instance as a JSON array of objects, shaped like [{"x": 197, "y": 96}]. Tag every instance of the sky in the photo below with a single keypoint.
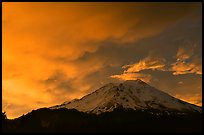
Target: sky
[{"x": 56, "y": 52}]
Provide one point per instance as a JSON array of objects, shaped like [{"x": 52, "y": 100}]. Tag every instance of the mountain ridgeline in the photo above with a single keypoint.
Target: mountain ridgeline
[{"x": 132, "y": 106}]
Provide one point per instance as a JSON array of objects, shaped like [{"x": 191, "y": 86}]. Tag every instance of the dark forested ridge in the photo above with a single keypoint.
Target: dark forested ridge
[{"x": 119, "y": 120}]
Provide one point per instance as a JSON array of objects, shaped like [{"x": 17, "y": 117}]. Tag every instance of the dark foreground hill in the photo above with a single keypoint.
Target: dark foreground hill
[{"x": 119, "y": 120}]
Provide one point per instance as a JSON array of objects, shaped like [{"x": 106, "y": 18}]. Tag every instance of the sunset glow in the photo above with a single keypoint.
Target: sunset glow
[{"x": 56, "y": 52}]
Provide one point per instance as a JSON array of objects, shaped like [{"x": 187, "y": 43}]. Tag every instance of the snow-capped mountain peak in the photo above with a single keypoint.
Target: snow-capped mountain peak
[{"x": 132, "y": 94}]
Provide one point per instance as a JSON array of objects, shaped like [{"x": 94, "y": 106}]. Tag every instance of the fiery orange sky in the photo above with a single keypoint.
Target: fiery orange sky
[{"x": 54, "y": 52}]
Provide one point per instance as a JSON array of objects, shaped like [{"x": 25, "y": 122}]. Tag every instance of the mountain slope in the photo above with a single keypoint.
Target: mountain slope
[{"x": 136, "y": 95}]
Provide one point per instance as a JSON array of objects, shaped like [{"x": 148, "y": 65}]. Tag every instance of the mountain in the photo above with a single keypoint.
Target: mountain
[
  {"x": 131, "y": 94},
  {"x": 131, "y": 106}
]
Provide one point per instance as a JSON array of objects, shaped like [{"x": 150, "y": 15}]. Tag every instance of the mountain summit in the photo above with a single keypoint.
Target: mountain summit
[{"x": 131, "y": 94}]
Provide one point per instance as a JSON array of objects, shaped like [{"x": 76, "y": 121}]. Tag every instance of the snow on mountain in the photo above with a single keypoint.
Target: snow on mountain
[{"x": 134, "y": 94}]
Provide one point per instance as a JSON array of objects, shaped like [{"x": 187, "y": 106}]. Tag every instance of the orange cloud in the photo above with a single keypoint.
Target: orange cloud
[
  {"x": 183, "y": 67},
  {"x": 182, "y": 54},
  {"x": 133, "y": 70},
  {"x": 27, "y": 83},
  {"x": 146, "y": 63}
]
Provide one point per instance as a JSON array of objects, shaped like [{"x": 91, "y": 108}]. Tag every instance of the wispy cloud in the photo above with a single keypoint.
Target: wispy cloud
[
  {"x": 132, "y": 71},
  {"x": 153, "y": 63},
  {"x": 183, "y": 54},
  {"x": 182, "y": 67},
  {"x": 185, "y": 66},
  {"x": 133, "y": 76}
]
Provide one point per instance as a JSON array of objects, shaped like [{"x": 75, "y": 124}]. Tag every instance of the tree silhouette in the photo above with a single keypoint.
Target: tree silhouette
[
  {"x": 4, "y": 117},
  {"x": 4, "y": 121},
  {"x": 119, "y": 120}
]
